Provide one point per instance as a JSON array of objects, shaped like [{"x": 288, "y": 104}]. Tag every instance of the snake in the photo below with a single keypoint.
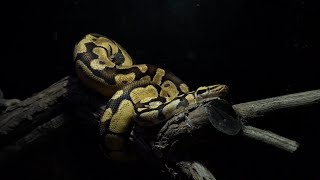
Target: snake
[{"x": 142, "y": 94}]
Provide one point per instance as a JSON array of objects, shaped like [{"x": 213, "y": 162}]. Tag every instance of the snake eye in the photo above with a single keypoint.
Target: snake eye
[
  {"x": 166, "y": 85},
  {"x": 201, "y": 91},
  {"x": 117, "y": 58}
]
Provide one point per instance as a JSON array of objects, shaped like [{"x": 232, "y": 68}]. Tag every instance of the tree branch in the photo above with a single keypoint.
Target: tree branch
[
  {"x": 270, "y": 138},
  {"x": 23, "y": 123},
  {"x": 195, "y": 170},
  {"x": 22, "y": 118},
  {"x": 260, "y": 107}
]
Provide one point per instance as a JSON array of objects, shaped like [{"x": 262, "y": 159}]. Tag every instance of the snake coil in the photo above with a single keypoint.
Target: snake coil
[{"x": 140, "y": 93}]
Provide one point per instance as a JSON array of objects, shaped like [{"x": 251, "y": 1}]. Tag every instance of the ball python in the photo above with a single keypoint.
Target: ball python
[{"x": 140, "y": 93}]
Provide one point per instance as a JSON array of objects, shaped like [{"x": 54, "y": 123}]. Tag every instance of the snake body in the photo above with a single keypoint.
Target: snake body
[{"x": 141, "y": 93}]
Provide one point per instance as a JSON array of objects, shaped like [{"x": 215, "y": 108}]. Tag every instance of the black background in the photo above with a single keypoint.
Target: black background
[{"x": 260, "y": 49}]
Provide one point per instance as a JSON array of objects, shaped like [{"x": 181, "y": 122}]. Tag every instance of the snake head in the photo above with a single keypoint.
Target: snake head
[{"x": 213, "y": 91}]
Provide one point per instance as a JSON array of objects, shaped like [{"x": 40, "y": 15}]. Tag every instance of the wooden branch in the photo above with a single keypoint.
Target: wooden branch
[
  {"x": 48, "y": 106},
  {"x": 194, "y": 170},
  {"x": 260, "y": 107},
  {"x": 270, "y": 138},
  {"x": 23, "y": 123},
  {"x": 195, "y": 121},
  {"x": 7, "y": 152},
  {"x": 19, "y": 120},
  {"x": 4, "y": 103}
]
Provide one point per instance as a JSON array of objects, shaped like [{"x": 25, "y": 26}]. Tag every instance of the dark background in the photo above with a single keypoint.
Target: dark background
[{"x": 260, "y": 49}]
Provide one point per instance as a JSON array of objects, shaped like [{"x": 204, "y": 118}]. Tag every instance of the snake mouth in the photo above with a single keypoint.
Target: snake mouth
[{"x": 224, "y": 89}]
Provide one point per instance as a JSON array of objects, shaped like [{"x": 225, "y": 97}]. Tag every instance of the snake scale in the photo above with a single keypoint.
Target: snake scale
[{"x": 140, "y": 93}]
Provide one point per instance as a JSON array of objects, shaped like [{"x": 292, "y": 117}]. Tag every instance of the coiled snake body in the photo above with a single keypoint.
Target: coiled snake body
[{"x": 141, "y": 93}]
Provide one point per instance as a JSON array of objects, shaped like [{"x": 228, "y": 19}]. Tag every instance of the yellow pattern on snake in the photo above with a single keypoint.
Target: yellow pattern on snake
[{"x": 141, "y": 93}]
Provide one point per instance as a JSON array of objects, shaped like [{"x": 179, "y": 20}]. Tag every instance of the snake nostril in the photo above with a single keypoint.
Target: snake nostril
[{"x": 101, "y": 63}]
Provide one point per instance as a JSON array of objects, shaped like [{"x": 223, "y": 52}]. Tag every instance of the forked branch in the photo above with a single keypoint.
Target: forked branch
[{"x": 37, "y": 116}]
